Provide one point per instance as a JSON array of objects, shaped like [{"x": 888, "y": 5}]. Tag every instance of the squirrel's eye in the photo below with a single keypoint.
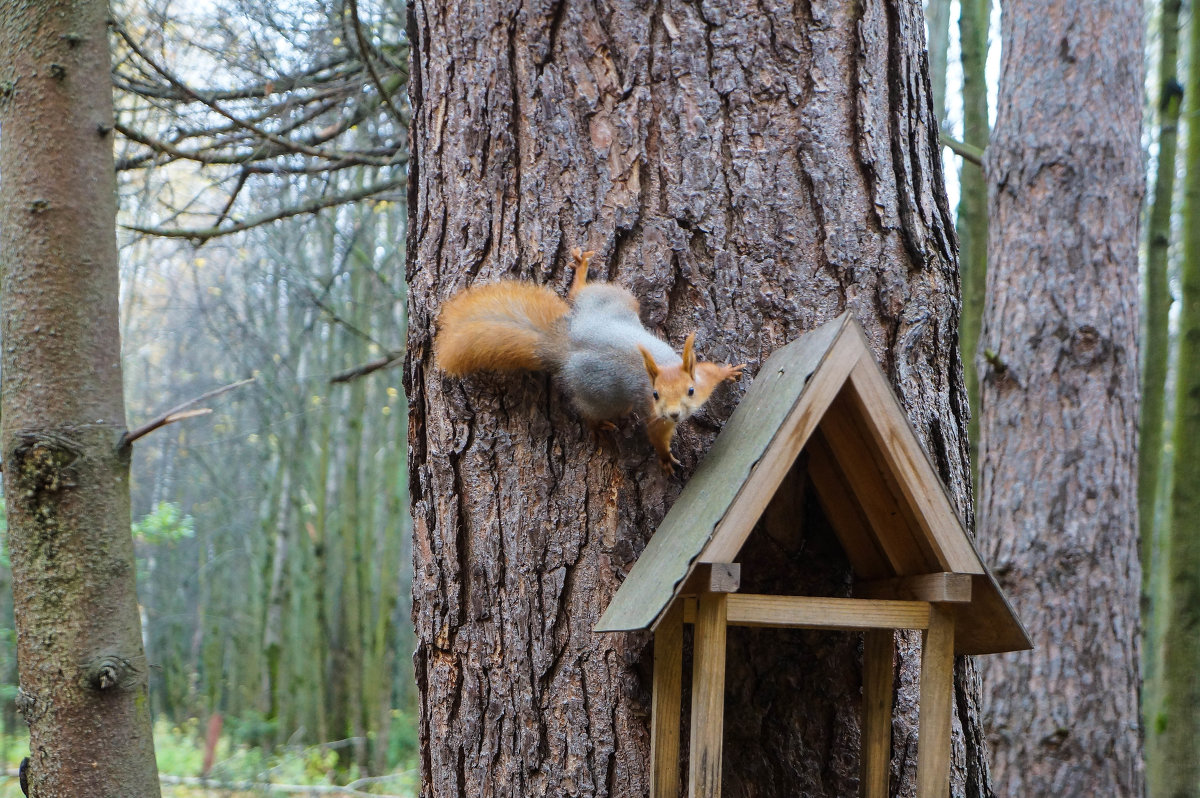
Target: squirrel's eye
[
  {"x": 656, "y": 394},
  {"x": 692, "y": 390}
]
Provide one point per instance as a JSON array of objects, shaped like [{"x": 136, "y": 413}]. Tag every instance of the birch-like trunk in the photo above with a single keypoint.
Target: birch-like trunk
[
  {"x": 1178, "y": 719},
  {"x": 749, "y": 172},
  {"x": 1155, "y": 354}
]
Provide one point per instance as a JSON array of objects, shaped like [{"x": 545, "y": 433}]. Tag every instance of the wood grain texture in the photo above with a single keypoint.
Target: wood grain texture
[
  {"x": 844, "y": 511},
  {"x": 665, "y": 705},
  {"x": 1058, "y": 429},
  {"x": 918, "y": 481},
  {"x": 806, "y": 612},
  {"x": 937, "y": 695},
  {"x": 749, "y": 172},
  {"x": 946, "y": 587},
  {"x": 879, "y": 655},
  {"x": 721, "y": 577},
  {"x": 708, "y": 697}
]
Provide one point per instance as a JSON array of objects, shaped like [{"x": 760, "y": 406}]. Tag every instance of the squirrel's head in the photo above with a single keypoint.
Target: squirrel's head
[{"x": 675, "y": 393}]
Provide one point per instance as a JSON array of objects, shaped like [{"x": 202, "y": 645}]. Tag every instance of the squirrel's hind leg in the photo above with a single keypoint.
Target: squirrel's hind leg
[{"x": 581, "y": 270}]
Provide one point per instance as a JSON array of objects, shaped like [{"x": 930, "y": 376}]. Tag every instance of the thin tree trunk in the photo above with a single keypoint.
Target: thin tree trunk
[
  {"x": 66, "y": 478},
  {"x": 937, "y": 21},
  {"x": 974, "y": 23},
  {"x": 276, "y": 601},
  {"x": 1155, "y": 352},
  {"x": 349, "y": 660},
  {"x": 1179, "y": 716},
  {"x": 748, "y": 173},
  {"x": 1057, "y": 493}
]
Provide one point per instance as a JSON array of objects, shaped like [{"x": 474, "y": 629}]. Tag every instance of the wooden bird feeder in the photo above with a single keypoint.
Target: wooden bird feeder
[{"x": 914, "y": 565}]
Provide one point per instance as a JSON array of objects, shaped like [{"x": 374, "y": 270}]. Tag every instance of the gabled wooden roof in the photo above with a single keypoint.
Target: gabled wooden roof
[{"x": 822, "y": 393}]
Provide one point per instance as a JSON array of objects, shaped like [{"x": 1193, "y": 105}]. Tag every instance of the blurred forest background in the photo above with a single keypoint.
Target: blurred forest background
[
  {"x": 272, "y": 536},
  {"x": 262, "y": 164}
]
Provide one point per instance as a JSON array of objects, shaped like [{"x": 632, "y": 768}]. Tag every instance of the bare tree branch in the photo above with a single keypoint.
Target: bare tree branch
[
  {"x": 370, "y": 367},
  {"x": 179, "y": 412},
  {"x": 201, "y": 235},
  {"x": 365, "y": 53},
  {"x": 288, "y": 144},
  {"x": 968, "y": 152}
]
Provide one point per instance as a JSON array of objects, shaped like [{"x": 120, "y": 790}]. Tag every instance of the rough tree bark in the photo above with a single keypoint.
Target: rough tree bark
[
  {"x": 1058, "y": 491},
  {"x": 79, "y": 645},
  {"x": 749, "y": 172}
]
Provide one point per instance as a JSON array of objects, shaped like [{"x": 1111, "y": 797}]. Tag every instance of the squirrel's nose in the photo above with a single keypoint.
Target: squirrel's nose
[{"x": 676, "y": 414}]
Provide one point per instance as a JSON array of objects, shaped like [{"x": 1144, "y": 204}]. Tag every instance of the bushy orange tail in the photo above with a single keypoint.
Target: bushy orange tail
[{"x": 503, "y": 326}]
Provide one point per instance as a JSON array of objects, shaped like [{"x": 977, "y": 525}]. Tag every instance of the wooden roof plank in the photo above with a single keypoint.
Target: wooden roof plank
[
  {"x": 748, "y": 506},
  {"x": 877, "y": 491},
  {"x": 918, "y": 479},
  {"x": 988, "y": 624},
  {"x": 843, "y": 511}
]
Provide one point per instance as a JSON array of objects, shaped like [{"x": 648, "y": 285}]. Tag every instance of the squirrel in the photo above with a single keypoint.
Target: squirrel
[{"x": 608, "y": 362}]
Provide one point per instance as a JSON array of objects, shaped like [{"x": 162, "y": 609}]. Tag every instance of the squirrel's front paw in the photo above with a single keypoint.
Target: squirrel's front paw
[
  {"x": 731, "y": 373},
  {"x": 668, "y": 463}
]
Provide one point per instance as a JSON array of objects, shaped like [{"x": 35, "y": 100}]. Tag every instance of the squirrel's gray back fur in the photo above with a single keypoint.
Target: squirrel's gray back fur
[{"x": 603, "y": 371}]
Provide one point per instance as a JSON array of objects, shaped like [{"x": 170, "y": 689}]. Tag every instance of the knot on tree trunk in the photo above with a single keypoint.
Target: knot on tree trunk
[
  {"x": 109, "y": 672},
  {"x": 27, "y": 704}
]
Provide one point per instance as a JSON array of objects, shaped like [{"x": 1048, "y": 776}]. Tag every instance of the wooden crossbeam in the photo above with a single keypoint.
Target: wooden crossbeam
[
  {"x": 718, "y": 577},
  {"x": 805, "y": 612},
  {"x": 941, "y": 587}
]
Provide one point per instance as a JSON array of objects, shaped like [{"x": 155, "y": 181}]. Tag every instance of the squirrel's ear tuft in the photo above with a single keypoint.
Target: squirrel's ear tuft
[
  {"x": 651, "y": 366},
  {"x": 689, "y": 354}
]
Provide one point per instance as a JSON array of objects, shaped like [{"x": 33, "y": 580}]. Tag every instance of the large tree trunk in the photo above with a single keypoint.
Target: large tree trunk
[
  {"x": 749, "y": 172},
  {"x": 82, "y": 667},
  {"x": 1057, "y": 506}
]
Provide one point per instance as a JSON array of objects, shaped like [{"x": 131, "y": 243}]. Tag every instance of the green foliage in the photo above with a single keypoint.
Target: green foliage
[
  {"x": 166, "y": 523},
  {"x": 404, "y": 744},
  {"x": 179, "y": 750},
  {"x": 4, "y": 561},
  {"x": 251, "y": 728}
]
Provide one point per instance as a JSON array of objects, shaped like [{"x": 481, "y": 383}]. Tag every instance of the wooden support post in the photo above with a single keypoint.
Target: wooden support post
[
  {"x": 937, "y": 688},
  {"x": 665, "y": 704},
  {"x": 708, "y": 697},
  {"x": 879, "y": 648}
]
